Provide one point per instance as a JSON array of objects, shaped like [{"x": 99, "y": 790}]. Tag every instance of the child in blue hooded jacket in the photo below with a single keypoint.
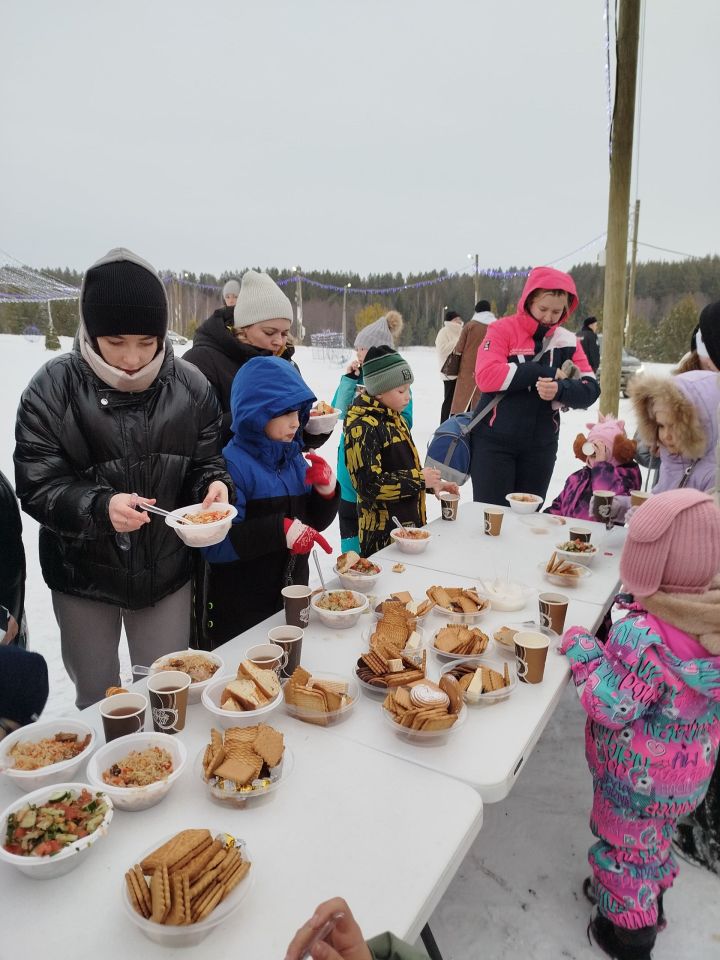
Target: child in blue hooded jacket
[{"x": 282, "y": 501}]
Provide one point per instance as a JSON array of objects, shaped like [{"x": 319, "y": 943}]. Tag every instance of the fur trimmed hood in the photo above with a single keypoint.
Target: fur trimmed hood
[
  {"x": 693, "y": 398},
  {"x": 696, "y": 614}
]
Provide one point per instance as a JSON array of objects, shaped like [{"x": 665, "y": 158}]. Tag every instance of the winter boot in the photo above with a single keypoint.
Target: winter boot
[
  {"x": 621, "y": 943},
  {"x": 589, "y": 891}
]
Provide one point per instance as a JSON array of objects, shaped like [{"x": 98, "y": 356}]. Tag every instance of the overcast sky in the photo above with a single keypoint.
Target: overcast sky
[{"x": 365, "y": 136}]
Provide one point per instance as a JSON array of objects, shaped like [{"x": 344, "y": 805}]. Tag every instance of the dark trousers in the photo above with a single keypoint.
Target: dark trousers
[
  {"x": 449, "y": 388},
  {"x": 500, "y": 465}
]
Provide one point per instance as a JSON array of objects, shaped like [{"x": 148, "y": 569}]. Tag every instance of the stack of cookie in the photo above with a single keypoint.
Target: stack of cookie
[
  {"x": 475, "y": 680},
  {"x": 458, "y": 599},
  {"x": 245, "y": 759},
  {"x": 393, "y": 659},
  {"x": 425, "y": 706},
  {"x": 189, "y": 876},
  {"x": 314, "y": 699},
  {"x": 461, "y": 640}
]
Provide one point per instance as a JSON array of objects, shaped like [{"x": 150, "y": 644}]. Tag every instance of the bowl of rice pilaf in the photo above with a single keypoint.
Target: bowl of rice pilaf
[
  {"x": 137, "y": 771},
  {"x": 339, "y": 608},
  {"x": 200, "y": 665},
  {"x": 200, "y": 527},
  {"x": 46, "y": 752}
]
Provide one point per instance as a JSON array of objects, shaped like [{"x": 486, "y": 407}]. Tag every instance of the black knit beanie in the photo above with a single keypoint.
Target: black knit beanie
[
  {"x": 122, "y": 298},
  {"x": 710, "y": 331}
]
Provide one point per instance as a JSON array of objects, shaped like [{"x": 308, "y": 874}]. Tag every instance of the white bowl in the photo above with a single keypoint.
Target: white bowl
[
  {"x": 325, "y": 423},
  {"x": 574, "y": 557},
  {"x": 424, "y": 736},
  {"x": 341, "y": 619},
  {"x": 196, "y": 689},
  {"x": 563, "y": 579},
  {"x": 507, "y": 597},
  {"x": 333, "y": 716},
  {"x": 543, "y": 522},
  {"x": 233, "y": 798},
  {"x": 524, "y": 506},
  {"x": 136, "y": 798},
  {"x": 61, "y": 772},
  {"x": 46, "y": 868},
  {"x": 494, "y": 696},
  {"x": 408, "y": 545},
  {"x": 231, "y": 718},
  {"x": 189, "y": 935},
  {"x": 361, "y": 582},
  {"x": 201, "y": 534}
]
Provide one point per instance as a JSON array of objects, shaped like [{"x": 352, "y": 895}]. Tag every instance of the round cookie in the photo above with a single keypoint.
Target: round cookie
[
  {"x": 423, "y": 695},
  {"x": 453, "y": 690}
]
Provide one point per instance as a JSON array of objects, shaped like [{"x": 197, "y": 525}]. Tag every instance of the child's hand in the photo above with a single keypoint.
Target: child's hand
[
  {"x": 547, "y": 387},
  {"x": 353, "y": 367},
  {"x": 301, "y": 538},
  {"x": 344, "y": 942},
  {"x": 217, "y": 492},
  {"x": 432, "y": 477},
  {"x": 321, "y": 476},
  {"x": 446, "y": 486}
]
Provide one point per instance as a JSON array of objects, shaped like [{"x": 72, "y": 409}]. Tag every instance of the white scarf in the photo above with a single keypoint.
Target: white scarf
[{"x": 118, "y": 379}]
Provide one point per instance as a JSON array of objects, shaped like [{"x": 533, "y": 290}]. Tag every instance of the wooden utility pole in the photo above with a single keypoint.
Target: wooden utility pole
[
  {"x": 628, "y": 32},
  {"x": 633, "y": 266}
]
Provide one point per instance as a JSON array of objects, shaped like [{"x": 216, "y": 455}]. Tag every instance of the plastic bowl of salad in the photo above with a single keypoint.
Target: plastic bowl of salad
[
  {"x": 46, "y": 832},
  {"x": 339, "y": 608},
  {"x": 576, "y": 550}
]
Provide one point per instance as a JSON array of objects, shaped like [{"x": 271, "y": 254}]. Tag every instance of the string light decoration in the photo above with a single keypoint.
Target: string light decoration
[{"x": 19, "y": 284}]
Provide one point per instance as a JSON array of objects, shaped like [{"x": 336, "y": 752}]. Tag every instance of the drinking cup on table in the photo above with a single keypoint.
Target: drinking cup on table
[
  {"x": 449, "y": 503},
  {"x": 297, "y": 605},
  {"x": 290, "y": 639},
  {"x": 553, "y": 610},
  {"x": 638, "y": 497},
  {"x": 123, "y": 713},
  {"x": 493, "y": 521},
  {"x": 168, "y": 693},
  {"x": 530, "y": 655},
  {"x": 580, "y": 533},
  {"x": 603, "y": 505},
  {"x": 267, "y": 656}
]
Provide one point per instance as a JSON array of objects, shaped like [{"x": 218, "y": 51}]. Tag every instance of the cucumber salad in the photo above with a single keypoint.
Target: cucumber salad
[{"x": 46, "y": 829}]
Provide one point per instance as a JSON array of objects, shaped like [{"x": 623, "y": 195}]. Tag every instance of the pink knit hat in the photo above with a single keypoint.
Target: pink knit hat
[
  {"x": 673, "y": 544},
  {"x": 606, "y": 430}
]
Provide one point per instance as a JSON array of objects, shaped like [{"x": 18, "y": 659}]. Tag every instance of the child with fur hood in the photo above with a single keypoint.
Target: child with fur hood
[
  {"x": 609, "y": 458},
  {"x": 652, "y": 695}
]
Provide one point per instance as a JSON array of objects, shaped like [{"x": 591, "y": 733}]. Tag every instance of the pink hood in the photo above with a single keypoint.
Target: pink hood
[{"x": 547, "y": 278}]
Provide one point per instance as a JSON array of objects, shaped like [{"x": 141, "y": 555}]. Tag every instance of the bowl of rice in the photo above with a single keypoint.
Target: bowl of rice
[
  {"x": 339, "y": 608},
  {"x": 46, "y": 752},
  {"x": 411, "y": 539},
  {"x": 137, "y": 771},
  {"x": 200, "y": 665},
  {"x": 200, "y": 527}
]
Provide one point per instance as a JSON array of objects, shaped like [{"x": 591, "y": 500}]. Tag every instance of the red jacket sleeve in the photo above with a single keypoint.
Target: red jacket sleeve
[{"x": 492, "y": 370}]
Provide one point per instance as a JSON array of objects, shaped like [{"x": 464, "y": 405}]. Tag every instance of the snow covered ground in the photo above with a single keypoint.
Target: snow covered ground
[{"x": 518, "y": 892}]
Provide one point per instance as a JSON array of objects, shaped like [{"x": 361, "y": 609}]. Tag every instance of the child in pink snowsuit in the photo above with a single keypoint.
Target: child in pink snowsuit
[{"x": 652, "y": 695}]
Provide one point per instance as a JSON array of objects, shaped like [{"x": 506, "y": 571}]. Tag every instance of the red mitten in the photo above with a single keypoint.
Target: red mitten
[
  {"x": 320, "y": 475},
  {"x": 301, "y": 538}
]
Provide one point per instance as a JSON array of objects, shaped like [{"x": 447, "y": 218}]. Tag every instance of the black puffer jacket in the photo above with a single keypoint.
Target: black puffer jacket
[
  {"x": 12, "y": 554},
  {"x": 79, "y": 442},
  {"x": 219, "y": 354}
]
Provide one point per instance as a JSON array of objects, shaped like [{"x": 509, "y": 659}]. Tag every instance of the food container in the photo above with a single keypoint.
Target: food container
[
  {"x": 564, "y": 579},
  {"x": 232, "y": 797},
  {"x": 201, "y": 534},
  {"x": 195, "y": 690},
  {"x": 508, "y": 649},
  {"x": 587, "y": 556},
  {"x": 377, "y": 612},
  {"x": 429, "y": 737},
  {"x": 324, "y": 423},
  {"x": 191, "y": 934},
  {"x": 136, "y": 798},
  {"x": 451, "y": 616},
  {"x": 493, "y": 696},
  {"x": 525, "y": 505},
  {"x": 443, "y": 655},
  {"x": 234, "y": 718},
  {"x": 332, "y": 716},
  {"x": 340, "y": 619},
  {"x": 542, "y": 523},
  {"x": 362, "y": 582},
  {"x": 46, "y": 868},
  {"x": 61, "y": 772},
  {"x": 409, "y": 545},
  {"x": 508, "y": 596}
]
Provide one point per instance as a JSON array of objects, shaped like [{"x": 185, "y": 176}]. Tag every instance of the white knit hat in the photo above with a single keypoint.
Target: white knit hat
[
  {"x": 231, "y": 288},
  {"x": 260, "y": 299}
]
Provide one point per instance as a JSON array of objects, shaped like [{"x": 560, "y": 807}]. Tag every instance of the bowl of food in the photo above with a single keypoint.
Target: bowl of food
[
  {"x": 201, "y": 527},
  {"x": 564, "y": 573},
  {"x": 46, "y": 752},
  {"x": 241, "y": 700},
  {"x": 323, "y": 418},
  {"x": 215, "y": 863},
  {"x": 137, "y": 770},
  {"x": 244, "y": 764},
  {"x": 339, "y": 608},
  {"x": 411, "y": 539},
  {"x": 200, "y": 665},
  {"x": 426, "y": 712},
  {"x": 319, "y": 698},
  {"x": 459, "y": 604},
  {"x": 543, "y": 523},
  {"x": 507, "y": 595},
  {"x": 418, "y": 609},
  {"x": 524, "y": 502},
  {"x": 483, "y": 681},
  {"x": 356, "y": 573},
  {"x": 458, "y": 641},
  {"x": 46, "y": 832},
  {"x": 576, "y": 550},
  {"x": 504, "y": 637}
]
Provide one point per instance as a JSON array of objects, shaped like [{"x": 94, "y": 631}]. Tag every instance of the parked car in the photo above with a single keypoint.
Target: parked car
[
  {"x": 630, "y": 366},
  {"x": 176, "y": 338}
]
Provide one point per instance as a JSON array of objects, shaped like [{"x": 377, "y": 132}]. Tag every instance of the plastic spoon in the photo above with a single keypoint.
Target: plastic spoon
[
  {"x": 397, "y": 523},
  {"x": 317, "y": 564}
]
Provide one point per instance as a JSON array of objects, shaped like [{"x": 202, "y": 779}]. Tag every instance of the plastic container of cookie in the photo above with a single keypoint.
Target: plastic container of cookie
[
  {"x": 451, "y": 616},
  {"x": 508, "y": 648},
  {"x": 470, "y": 665},
  {"x": 328, "y": 717},
  {"x": 189, "y": 935},
  {"x": 429, "y": 737},
  {"x": 136, "y": 798},
  {"x": 375, "y": 689},
  {"x": 445, "y": 655},
  {"x": 566, "y": 580},
  {"x": 377, "y": 610},
  {"x": 226, "y": 792}
]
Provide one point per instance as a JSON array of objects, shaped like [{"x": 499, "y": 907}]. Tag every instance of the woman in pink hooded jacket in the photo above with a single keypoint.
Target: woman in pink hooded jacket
[
  {"x": 515, "y": 446},
  {"x": 652, "y": 696}
]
